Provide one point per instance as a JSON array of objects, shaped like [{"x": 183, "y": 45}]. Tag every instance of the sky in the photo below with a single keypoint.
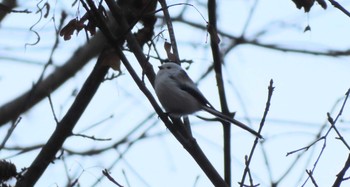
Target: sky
[{"x": 307, "y": 87}]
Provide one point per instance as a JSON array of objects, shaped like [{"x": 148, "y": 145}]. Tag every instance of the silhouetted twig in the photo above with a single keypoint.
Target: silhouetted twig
[
  {"x": 309, "y": 172},
  {"x": 324, "y": 137},
  {"x": 65, "y": 126},
  {"x": 262, "y": 123},
  {"x": 9, "y": 132},
  {"x": 338, "y": 6},
  {"x": 52, "y": 109},
  {"x": 93, "y": 137},
  {"x": 340, "y": 176},
  {"x": 106, "y": 173},
  {"x": 12, "y": 109}
]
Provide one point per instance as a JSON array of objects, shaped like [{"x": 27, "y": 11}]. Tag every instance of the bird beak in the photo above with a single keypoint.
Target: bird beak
[{"x": 160, "y": 67}]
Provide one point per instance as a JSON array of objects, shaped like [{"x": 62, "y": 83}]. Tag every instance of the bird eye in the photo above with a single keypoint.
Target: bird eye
[{"x": 168, "y": 67}]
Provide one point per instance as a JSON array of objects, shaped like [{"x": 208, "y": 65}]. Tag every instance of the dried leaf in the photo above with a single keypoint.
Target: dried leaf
[
  {"x": 47, "y": 6},
  {"x": 307, "y": 28},
  {"x": 68, "y": 30},
  {"x": 7, "y": 170},
  {"x": 171, "y": 56},
  {"x": 77, "y": 25},
  {"x": 322, "y": 3},
  {"x": 307, "y": 4}
]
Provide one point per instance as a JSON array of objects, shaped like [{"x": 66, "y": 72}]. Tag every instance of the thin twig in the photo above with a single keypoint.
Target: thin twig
[
  {"x": 126, "y": 178},
  {"x": 189, "y": 143},
  {"x": 127, "y": 144},
  {"x": 338, "y": 6},
  {"x": 324, "y": 137},
  {"x": 249, "y": 19},
  {"x": 93, "y": 137},
  {"x": 306, "y": 147},
  {"x": 171, "y": 29},
  {"x": 309, "y": 172},
  {"x": 11, "y": 110},
  {"x": 106, "y": 173},
  {"x": 267, "y": 108},
  {"x": 272, "y": 46},
  {"x": 65, "y": 127},
  {"x": 340, "y": 176},
  {"x": 9, "y": 132},
  {"x": 52, "y": 109},
  {"x": 332, "y": 122}
]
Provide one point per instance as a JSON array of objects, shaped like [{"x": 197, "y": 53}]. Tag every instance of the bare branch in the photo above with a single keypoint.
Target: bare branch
[
  {"x": 9, "y": 5},
  {"x": 309, "y": 172},
  {"x": 80, "y": 57},
  {"x": 171, "y": 30},
  {"x": 341, "y": 8},
  {"x": 217, "y": 63},
  {"x": 332, "y": 122},
  {"x": 276, "y": 47},
  {"x": 65, "y": 127},
  {"x": 93, "y": 137},
  {"x": 262, "y": 123},
  {"x": 106, "y": 173},
  {"x": 189, "y": 143},
  {"x": 340, "y": 176},
  {"x": 52, "y": 109},
  {"x": 9, "y": 132}
]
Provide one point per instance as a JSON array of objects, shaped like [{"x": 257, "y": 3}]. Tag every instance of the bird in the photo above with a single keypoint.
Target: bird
[{"x": 180, "y": 96}]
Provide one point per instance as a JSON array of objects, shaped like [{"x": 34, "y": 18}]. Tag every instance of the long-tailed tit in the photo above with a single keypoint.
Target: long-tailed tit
[{"x": 180, "y": 96}]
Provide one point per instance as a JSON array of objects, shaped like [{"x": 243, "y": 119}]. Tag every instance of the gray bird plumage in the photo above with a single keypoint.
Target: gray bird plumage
[{"x": 180, "y": 96}]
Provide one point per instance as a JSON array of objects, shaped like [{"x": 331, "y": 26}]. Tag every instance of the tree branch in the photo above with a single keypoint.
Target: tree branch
[
  {"x": 214, "y": 43},
  {"x": 65, "y": 127},
  {"x": 340, "y": 175},
  {"x": 188, "y": 142},
  {"x": 262, "y": 123},
  {"x": 341, "y": 8},
  {"x": 13, "y": 109},
  {"x": 9, "y": 4}
]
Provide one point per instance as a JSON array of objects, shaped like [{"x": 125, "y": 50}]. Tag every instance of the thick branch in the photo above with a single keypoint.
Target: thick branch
[
  {"x": 11, "y": 110},
  {"x": 214, "y": 43},
  {"x": 65, "y": 127},
  {"x": 10, "y": 4},
  {"x": 188, "y": 142},
  {"x": 340, "y": 175}
]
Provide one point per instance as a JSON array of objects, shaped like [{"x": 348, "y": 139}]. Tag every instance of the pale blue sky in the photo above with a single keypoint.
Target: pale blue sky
[{"x": 307, "y": 87}]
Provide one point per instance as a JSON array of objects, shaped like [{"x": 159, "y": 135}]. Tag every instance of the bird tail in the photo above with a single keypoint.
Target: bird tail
[{"x": 230, "y": 120}]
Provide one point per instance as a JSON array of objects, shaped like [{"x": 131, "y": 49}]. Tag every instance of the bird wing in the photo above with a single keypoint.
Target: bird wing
[{"x": 185, "y": 83}]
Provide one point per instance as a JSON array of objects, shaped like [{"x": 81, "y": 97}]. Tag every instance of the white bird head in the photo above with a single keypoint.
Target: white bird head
[{"x": 169, "y": 67}]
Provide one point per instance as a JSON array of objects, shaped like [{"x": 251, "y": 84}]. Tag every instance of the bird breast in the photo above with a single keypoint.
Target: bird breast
[{"x": 175, "y": 101}]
